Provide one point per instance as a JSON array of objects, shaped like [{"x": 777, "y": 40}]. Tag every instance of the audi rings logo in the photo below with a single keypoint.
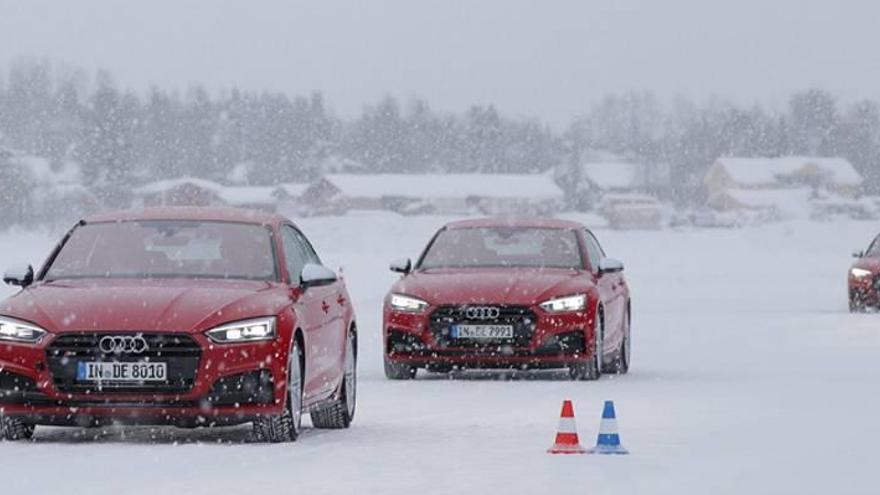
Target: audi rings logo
[
  {"x": 482, "y": 312},
  {"x": 123, "y": 344}
]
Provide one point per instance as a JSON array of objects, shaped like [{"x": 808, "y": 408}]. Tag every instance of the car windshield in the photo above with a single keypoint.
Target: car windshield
[
  {"x": 874, "y": 249},
  {"x": 166, "y": 249},
  {"x": 503, "y": 247}
]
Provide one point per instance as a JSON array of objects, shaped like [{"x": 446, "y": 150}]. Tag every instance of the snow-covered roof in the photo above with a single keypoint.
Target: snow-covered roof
[
  {"x": 160, "y": 186},
  {"x": 232, "y": 195},
  {"x": 758, "y": 171},
  {"x": 294, "y": 189},
  {"x": 526, "y": 186},
  {"x": 612, "y": 175},
  {"x": 248, "y": 195}
]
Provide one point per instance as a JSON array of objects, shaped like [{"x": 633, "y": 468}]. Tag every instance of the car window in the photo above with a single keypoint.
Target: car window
[
  {"x": 166, "y": 249},
  {"x": 503, "y": 247},
  {"x": 594, "y": 250},
  {"x": 874, "y": 249},
  {"x": 297, "y": 252}
]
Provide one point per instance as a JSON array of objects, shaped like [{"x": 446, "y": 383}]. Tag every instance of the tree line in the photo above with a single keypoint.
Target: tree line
[{"x": 122, "y": 138}]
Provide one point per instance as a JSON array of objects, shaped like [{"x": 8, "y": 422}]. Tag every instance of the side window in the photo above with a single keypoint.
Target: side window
[
  {"x": 874, "y": 248},
  {"x": 293, "y": 254},
  {"x": 594, "y": 251},
  {"x": 308, "y": 251}
]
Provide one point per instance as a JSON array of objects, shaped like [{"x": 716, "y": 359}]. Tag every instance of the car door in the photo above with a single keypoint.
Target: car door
[
  {"x": 314, "y": 314},
  {"x": 611, "y": 290}
]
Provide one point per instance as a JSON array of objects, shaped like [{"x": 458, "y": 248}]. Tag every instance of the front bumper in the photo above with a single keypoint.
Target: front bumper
[
  {"x": 865, "y": 290},
  {"x": 228, "y": 384},
  {"x": 541, "y": 340}
]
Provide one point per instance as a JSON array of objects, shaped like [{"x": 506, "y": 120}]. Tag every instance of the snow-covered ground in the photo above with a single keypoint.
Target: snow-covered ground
[{"x": 749, "y": 376}]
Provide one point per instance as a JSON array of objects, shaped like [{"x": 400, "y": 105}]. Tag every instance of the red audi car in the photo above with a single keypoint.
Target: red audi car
[
  {"x": 182, "y": 316},
  {"x": 864, "y": 279},
  {"x": 497, "y": 293}
]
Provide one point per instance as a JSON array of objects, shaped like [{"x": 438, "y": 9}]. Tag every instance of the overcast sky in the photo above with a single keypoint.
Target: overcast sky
[{"x": 545, "y": 58}]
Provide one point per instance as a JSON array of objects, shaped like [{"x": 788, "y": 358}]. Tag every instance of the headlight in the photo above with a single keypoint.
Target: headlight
[
  {"x": 563, "y": 304},
  {"x": 408, "y": 304},
  {"x": 860, "y": 273},
  {"x": 244, "y": 331},
  {"x": 19, "y": 331}
]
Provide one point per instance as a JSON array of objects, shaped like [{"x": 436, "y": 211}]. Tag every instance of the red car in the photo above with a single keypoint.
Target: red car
[
  {"x": 182, "y": 316},
  {"x": 496, "y": 293},
  {"x": 864, "y": 279}
]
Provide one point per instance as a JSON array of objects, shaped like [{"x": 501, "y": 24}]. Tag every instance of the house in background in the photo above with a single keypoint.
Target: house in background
[
  {"x": 182, "y": 191},
  {"x": 783, "y": 187},
  {"x": 190, "y": 191},
  {"x": 491, "y": 194}
]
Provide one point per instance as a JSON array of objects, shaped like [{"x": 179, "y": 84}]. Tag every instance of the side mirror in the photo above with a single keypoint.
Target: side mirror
[
  {"x": 859, "y": 254},
  {"x": 610, "y": 265},
  {"x": 402, "y": 265},
  {"x": 21, "y": 276},
  {"x": 314, "y": 275}
]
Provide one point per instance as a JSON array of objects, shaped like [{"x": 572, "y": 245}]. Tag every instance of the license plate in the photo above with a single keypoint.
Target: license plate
[
  {"x": 482, "y": 331},
  {"x": 121, "y": 372}
]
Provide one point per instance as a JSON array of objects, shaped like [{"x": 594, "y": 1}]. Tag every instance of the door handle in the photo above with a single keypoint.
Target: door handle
[{"x": 340, "y": 300}]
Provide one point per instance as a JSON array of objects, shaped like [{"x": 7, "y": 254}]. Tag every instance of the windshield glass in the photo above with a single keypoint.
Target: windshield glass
[
  {"x": 504, "y": 247},
  {"x": 165, "y": 249}
]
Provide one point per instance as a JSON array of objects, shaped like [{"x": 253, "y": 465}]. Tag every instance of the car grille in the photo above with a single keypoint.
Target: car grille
[
  {"x": 179, "y": 351},
  {"x": 521, "y": 318}
]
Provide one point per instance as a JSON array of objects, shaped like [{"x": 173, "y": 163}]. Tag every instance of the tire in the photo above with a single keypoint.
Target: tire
[
  {"x": 620, "y": 365},
  {"x": 340, "y": 413},
  {"x": 285, "y": 427},
  {"x": 15, "y": 429},
  {"x": 399, "y": 371},
  {"x": 592, "y": 369}
]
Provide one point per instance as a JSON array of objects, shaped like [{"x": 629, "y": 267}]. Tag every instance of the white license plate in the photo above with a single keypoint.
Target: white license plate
[
  {"x": 121, "y": 372},
  {"x": 482, "y": 331}
]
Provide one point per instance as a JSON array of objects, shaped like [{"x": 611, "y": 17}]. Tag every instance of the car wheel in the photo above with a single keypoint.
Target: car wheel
[
  {"x": 285, "y": 427},
  {"x": 592, "y": 369},
  {"x": 15, "y": 429},
  {"x": 620, "y": 365},
  {"x": 340, "y": 413},
  {"x": 399, "y": 371}
]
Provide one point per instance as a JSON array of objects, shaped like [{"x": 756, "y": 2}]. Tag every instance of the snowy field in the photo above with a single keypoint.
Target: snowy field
[{"x": 749, "y": 376}]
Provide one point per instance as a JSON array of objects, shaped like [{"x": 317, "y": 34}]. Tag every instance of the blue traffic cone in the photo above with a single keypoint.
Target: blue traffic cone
[{"x": 609, "y": 440}]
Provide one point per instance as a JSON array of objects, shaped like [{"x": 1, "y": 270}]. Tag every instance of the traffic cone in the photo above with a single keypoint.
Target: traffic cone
[
  {"x": 609, "y": 440},
  {"x": 566, "y": 435}
]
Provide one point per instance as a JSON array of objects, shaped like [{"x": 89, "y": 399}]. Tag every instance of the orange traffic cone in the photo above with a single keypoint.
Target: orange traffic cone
[{"x": 566, "y": 435}]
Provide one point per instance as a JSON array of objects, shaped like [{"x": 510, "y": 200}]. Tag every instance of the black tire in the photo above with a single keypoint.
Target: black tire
[
  {"x": 340, "y": 413},
  {"x": 15, "y": 429},
  {"x": 620, "y": 364},
  {"x": 590, "y": 370},
  {"x": 285, "y": 427},
  {"x": 399, "y": 371}
]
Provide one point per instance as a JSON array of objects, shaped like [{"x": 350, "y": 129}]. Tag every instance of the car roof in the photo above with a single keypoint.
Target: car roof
[
  {"x": 204, "y": 213},
  {"x": 540, "y": 223}
]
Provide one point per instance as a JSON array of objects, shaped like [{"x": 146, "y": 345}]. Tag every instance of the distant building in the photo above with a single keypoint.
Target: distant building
[
  {"x": 190, "y": 191},
  {"x": 835, "y": 175},
  {"x": 182, "y": 191},
  {"x": 496, "y": 194},
  {"x": 783, "y": 187}
]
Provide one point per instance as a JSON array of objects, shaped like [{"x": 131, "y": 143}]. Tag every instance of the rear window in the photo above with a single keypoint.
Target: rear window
[
  {"x": 504, "y": 247},
  {"x": 166, "y": 249}
]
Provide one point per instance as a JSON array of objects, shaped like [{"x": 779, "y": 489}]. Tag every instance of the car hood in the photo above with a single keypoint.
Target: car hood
[
  {"x": 513, "y": 286},
  {"x": 143, "y": 305}
]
